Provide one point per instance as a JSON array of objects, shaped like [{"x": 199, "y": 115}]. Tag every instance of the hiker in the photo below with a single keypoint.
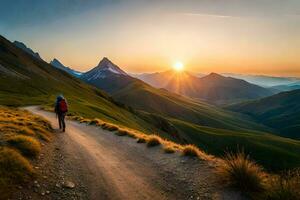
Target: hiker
[{"x": 61, "y": 108}]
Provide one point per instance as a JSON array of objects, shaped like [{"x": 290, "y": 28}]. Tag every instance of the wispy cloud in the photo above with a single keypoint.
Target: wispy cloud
[{"x": 209, "y": 15}]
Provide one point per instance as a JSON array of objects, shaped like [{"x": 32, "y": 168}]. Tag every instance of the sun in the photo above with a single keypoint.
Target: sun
[{"x": 178, "y": 66}]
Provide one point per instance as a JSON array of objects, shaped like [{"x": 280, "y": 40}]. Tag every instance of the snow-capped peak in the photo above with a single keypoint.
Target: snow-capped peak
[
  {"x": 104, "y": 68},
  {"x": 106, "y": 64}
]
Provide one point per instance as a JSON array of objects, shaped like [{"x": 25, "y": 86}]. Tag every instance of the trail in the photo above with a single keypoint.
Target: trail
[{"x": 105, "y": 166}]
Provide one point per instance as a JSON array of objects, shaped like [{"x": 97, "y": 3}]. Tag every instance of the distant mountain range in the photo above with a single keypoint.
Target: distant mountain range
[
  {"x": 56, "y": 63},
  {"x": 214, "y": 88},
  {"x": 264, "y": 81},
  {"x": 288, "y": 87}
]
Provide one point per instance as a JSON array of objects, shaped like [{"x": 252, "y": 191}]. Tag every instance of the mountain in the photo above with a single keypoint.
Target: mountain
[
  {"x": 28, "y": 50},
  {"x": 107, "y": 76},
  {"x": 213, "y": 88},
  {"x": 288, "y": 87},
  {"x": 27, "y": 80},
  {"x": 262, "y": 80},
  {"x": 280, "y": 111},
  {"x": 56, "y": 63}
]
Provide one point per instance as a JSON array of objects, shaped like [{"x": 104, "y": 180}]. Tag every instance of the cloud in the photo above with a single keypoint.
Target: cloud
[{"x": 209, "y": 15}]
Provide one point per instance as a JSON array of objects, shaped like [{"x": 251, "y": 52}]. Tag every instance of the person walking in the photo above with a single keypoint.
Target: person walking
[{"x": 61, "y": 109}]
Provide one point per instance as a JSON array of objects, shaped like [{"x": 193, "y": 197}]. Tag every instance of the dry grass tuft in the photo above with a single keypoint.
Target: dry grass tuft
[
  {"x": 169, "y": 149},
  {"x": 240, "y": 172},
  {"x": 284, "y": 186},
  {"x": 153, "y": 140},
  {"x": 84, "y": 120},
  {"x": 190, "y": 150},
  {"x": 109, "y": 127},
  {"x": 122, "y": 132},
  {"x": 141, "y": 140},
  {"x": 96, "y": 122},
  {"x": 27, "y": 145},
  {"x": 20, "y": 131},
  {"x": 13, "y": 165}
]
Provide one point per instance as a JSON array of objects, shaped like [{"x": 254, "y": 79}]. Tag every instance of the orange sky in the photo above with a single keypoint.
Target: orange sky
[{"x": 144, "y": 36}]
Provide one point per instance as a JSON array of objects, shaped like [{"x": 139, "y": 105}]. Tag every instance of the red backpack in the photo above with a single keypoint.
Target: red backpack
[{"x": 63, "y": 107}]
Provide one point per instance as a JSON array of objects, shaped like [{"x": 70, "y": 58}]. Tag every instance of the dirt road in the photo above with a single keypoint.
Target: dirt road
[{"x": 105, "y": 166}]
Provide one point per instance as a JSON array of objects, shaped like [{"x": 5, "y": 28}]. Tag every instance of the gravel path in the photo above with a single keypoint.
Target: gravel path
[{"x": 104, "y": 166}]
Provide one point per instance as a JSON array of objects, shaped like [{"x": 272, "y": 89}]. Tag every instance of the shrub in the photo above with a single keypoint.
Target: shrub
[
  {"x": 239, "y": 171},
  {"x": 190, "y": 150},
  {"x": 285, "y": 186},
  {"x": 153, "y": 140},
  {"x": 26, "y": 145},
  {"x": 169, "y": 149}
]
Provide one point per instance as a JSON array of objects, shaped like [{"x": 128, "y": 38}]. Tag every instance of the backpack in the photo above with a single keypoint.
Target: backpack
[{"x": 63, "y": 107}]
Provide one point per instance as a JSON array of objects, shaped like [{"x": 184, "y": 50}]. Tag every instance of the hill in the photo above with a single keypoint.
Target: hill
[
  {"x": 280, "y": 111},
  {"x": 288, "y": 87},
  {"x": 213, "y": 88},
  {"x": 26, "y": 80}
]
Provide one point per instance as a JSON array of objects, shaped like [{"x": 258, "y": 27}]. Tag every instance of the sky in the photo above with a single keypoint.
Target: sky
[{"x": 239, "y": 36}]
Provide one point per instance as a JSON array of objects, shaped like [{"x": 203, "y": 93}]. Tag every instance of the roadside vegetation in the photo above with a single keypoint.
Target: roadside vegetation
[
  {"x": 20, "y": 137},
  {"x": 236, "y": 170}
]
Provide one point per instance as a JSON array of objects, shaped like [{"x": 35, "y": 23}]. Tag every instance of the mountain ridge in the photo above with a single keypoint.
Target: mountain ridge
[
  {"x": 56, "y": 63},
  {"x": 280, "y": 111},
  {"x": 213, "y": 88},
  {"x": 21, "y": 45}
]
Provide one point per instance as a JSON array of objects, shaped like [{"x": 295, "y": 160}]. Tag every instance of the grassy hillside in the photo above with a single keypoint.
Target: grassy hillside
[
  {"x": 271, "y": 151},
  {"x": 281, "y": 111},
  {"x": 25, "y": 80},
  {"x": 144, "y": 97},
  {"x": 21, "y": 133}
]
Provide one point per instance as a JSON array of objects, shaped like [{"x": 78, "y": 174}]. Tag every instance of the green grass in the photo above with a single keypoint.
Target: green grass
[
  {"x": 146, "y": 98},
  {"x": 280, "y": 111},
  {"x": 271, "y": 151}
]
